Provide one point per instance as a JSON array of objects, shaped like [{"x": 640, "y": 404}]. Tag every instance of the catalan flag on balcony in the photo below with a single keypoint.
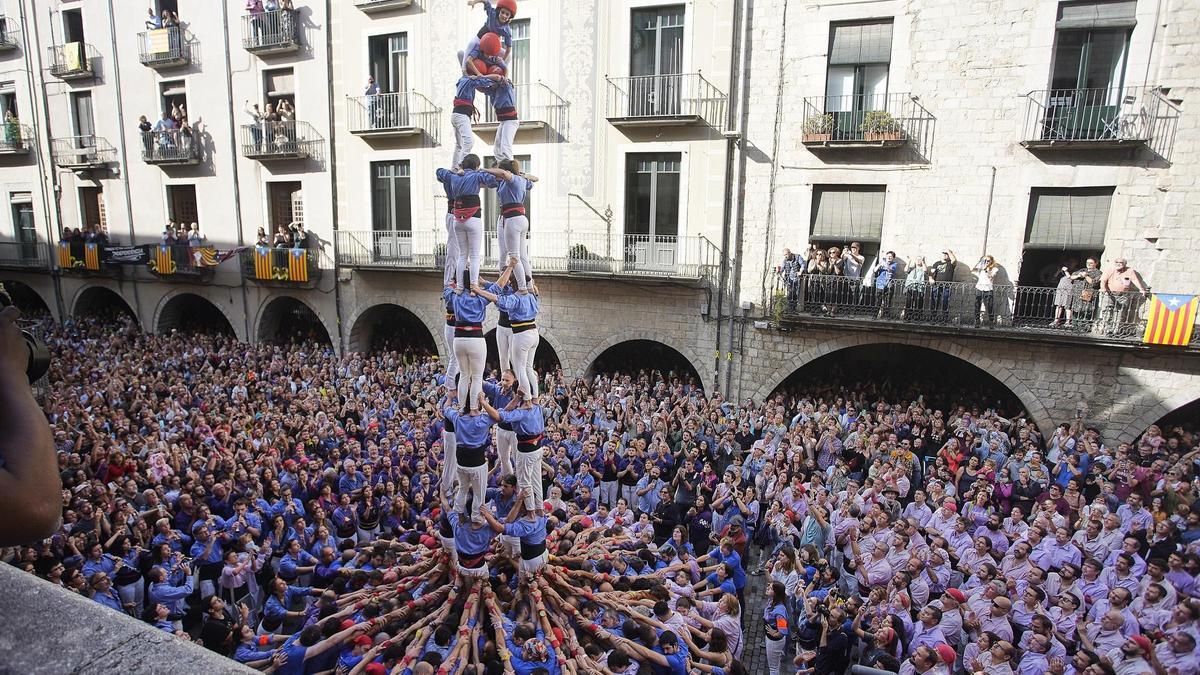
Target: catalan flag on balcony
[
  {"x": 262, "y": 263},
  {"x": 65, "y": 261},
  {"x": 1171, "y": 320},
  {"x": 205, "y": 256},
  {"x": 91, "y": 256},
  {"x": 162, "y": 261},
  {"x": 298, "y": 265}
]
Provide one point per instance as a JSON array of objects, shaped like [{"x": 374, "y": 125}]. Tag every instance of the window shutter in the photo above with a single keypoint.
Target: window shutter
[
  {"x": 280, "y": 82},
  {"x": 848, "y": 212},
  {"x": 861, "y": 43},
  {"x": 1089, "y": 15},
  {"x": 1068, "y": 219}
]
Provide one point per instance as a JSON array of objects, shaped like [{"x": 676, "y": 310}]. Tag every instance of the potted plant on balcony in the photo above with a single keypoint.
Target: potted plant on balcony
[
  {"x": 879, "y": 125},
  {"x": 439, "y": 256},
  {"x": 580, "y": 259},
  {"x": 818, "y": 128}
]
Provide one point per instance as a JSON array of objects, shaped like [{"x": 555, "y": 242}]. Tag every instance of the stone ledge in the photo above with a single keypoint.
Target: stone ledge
[{"x": 45, "y": 629}]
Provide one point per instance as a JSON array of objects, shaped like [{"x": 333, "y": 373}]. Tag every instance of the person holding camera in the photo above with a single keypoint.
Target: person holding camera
[{"x": 30, "y": 488}]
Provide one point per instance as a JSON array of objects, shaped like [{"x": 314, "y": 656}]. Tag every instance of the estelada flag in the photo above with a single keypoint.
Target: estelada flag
[
  {"x": 298, "y": 264},
  {"x": 1171, "y": 319},
  {"x": 91, "y": 256},
  {"x": 262, "y": 262},
  {"x": 65, "y": 261},
  {"x": 163, "y": 264}
]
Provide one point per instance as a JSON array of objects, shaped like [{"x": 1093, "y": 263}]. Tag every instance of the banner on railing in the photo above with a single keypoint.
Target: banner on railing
[
  {"x": 205, "y": 256},
  {"x": 1171, "y": 320},
  {"x": 298, "y": 265},
  {"x": 163, "y": 263},
  {"x": 158, "y": 41},
  {"x": 91, "y": 256},
  {"x": 65, "y": 260},
  {"x": 73, "y": 55},
  {"x": 126, "y": 255},
  {"x": 262, "y": 263}
]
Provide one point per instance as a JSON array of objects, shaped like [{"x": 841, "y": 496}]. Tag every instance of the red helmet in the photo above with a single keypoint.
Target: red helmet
[
  {"x": 490, "y": 44},
  {"x": 481, "y": 65},
  {"x": 510, "y": 5}
]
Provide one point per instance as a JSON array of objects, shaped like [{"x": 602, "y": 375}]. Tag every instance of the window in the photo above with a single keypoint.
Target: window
[
  {"x": 91, "y": 208},
  {"x": 860, "y": 57},
  {"x": 23, "y": 226},
  {"x": 656, "y": 61},
  {"x": 279, "y": 85},
  {"x": 81, "y": 117},
  {"x": 845, "y": 213},
  {"x": 168, "y": 6},
  {"x": 389, "y": 62},
  {"x": 518, "y": 70},
  {"x": 491, "y": 208},
  {"x": 1064, "y": 228},
  {"x": 391, "y": 197},
  {"x": 8, "y": 100},
  {"x": 652, "y": 195},
  {"x": 286, "y": 204},
  {"x": 72, "y": 25},
  {"x": 172, "y": 95},
  {"x": 1091, "y": 44},
  {"x": 181, "y": 204}
]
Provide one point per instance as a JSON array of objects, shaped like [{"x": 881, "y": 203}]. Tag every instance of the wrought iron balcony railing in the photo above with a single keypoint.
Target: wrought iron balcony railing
[
  {"x": 10, "y": 35},
  {"x": 170, "y": 147},
  {"x": 280, "y": 140},
  {"x": 1100, "y": 118},
  {"x": 679, "y": 99},
  {"x": 22, "y": 255},
  {"x": 867, "y": 120},
  {"x": 15, "y": 139},
  {"x": 164, "y": 47},
  {"x": 537, "y": 106},
  {"x": 405, "y": 113},
  {"x": 73, "y": 61},
  {"x": 82, "y": 152},
  {"x": 295, "y": 267},
  {"x": 1007, "y": 308},
  {"x": 271, "y": 32}
]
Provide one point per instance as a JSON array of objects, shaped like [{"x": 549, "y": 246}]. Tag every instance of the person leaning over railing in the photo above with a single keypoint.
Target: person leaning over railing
[
  {"x": 1120, "y": 304},
  {"x": 916, "y": 282}
]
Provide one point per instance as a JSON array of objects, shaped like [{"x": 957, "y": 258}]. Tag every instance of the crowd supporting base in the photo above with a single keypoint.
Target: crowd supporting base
[{"x": 289, "y": 508}]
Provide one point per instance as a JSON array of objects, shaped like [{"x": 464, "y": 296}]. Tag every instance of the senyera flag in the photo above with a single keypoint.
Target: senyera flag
[{"x": 1171, "y": 320}]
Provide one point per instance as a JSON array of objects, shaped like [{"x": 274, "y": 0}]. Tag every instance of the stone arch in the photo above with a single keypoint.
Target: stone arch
[
  {"x": 179, "y": 305},
  {"x": 1037, "y": 410},
  {"x": 643, "y": 336},
  {"x": 274, "y": 310},
  {"x": 1155, "y": 412},
  {"x": 90, "y": 298},
  {"x": 550, "y": 340},
  {"x": 363, "y": 327},
  {"x": 25, "y": 297},
  {"x": 432, "y": 322},
  {"x": 545, "y": 350}
]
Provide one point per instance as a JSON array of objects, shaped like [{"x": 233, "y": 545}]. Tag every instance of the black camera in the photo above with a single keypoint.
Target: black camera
[{"x": 39, "y": 355}]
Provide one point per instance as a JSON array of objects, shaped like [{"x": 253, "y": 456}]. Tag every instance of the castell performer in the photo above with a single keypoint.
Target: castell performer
[
  {"x": 499, "y": 15},
  {"x": 529, "y": 423},
  {"x": 464, "y": 114},
  {"x": 470, "y": 454},
  {"x": 469, "y": 345},
  {"x": 462, "y": 189},
  {"x": 522, "y": 309},
  {"x": 529, "y": 527},
  {"x": 500, "y": 395},
  {"x": 513, "y": 225}
]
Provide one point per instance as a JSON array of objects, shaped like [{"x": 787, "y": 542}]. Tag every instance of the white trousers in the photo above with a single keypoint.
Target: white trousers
[
  {"x": 608, "y": 493},
  {"x": 775, "y": 649},
  {"x": 516, "y": 245},
  {"x": 508, "y": 544},
  {"x": 524, "y": 348},
  {"x": 472, "y": 358},
  {"x": 449, "y": 464},
  {"x": 504, "y": 343},
  {"x": 535, "y": 565},
  {"x": 452, "y": 368},
  {"x": 472, "y": 483},
  {"x": 506, "y": 447},
  {"x": 448, "y": 544},
  {"x": 529, "y": 477},
  {"x": 480, "y": 572},
  {"x": 450, "y": 266},
  {"x": 502, "y": 250},
  {"x": 134, "y": 594},
  {"x": 464, "y": 138},
  {"x": 506, "y": 133},
  {"x": 470, "y": 246}
]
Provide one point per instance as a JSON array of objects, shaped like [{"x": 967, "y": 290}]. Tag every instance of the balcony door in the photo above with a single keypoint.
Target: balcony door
[
  {"x": 652, "y": 194},
  {"x": 1091, "y": 48},
  {"x": 91, "y": 207},
  {"x": 286, "y": 203},
  {"x": 656, "y": 62},
  {"x": 72, "y": 25},
  {"x": 25, "y": 229},
  {"x": 388, "y": 56},
  {"x": 856, "y": 82},
  {"x": 391, "y": 209},
  {"x": 82, "y": 119}
]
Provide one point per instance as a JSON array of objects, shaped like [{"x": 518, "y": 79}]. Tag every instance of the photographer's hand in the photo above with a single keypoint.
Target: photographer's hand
[{"x": 29, "y": 482}]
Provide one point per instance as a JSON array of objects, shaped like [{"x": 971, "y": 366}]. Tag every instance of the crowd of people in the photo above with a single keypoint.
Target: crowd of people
[{"x": 286, "y": 507}]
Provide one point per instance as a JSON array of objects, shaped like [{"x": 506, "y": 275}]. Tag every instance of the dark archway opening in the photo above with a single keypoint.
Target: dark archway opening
[
  {"x": 392, "y": 328},
  {"x": 190, "y": 313},
  {"x": 103, "y": 303},
  {"x": 1182, "y": 423},
  {"x": 645, "y": 358},
  {"x": 899, "y": 374},
  {"x": 545, "y": 359},
  {"x": 287, "y": 321},
  {"x": 26, "y": 299}
]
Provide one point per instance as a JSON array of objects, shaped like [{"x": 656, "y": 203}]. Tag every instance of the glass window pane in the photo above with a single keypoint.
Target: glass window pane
[
  {"x": 1106, "y": 60},
  {"x": 1068, "y": 52},
  {"x": 666, "y": 205},
  {"x": 839, "y": 89}
]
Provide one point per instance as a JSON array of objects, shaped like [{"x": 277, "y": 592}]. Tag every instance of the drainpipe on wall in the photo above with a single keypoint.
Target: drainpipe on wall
[
  {"x": 116, "y": 68},
  {"x": 731, "y": 144},
  {"x": 747, "y": 11},
  {"x": 337, "y": 286},
  {"x": 237, "y": 183}
]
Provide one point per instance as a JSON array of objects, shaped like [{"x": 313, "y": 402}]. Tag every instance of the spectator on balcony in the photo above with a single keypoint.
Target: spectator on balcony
[
  {"x": 286, "y": 123},
  {"x": 153, "y": 21},
  {"x": 144, "y": 128},
  {"x": 1062, "y": 297},
  {"x": 194, "y": 238},
  {"x": 985, "y": 290},
  {"x": 96, "y": 235},
  {"x": 885, "y": 272},
  {"x": 1121, "y": 304},
  {"x": 916, "y": 283},
  {"x": 168, "y": 19},
  {"x": 283, "y": 238},
  {"x": 942, "y": 274},
  {"x": 852, "y": 261},
  {"x": 299, "y": 235},
  {"x": 257, "y": 119},
  {"x": 789, "y": 274},
  {"x": 262, "y": 239},
  {"x": 164, "y": 132},
  {"x": 819, "y": 268},
  {"x": 1086, "y": 287}
]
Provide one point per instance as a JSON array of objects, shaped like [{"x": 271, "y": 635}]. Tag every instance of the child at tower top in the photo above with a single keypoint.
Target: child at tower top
[{"x": 499, "y": 15}]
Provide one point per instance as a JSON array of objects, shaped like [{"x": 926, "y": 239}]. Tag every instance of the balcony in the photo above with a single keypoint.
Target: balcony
[
  {"x": 538, "y": 107},
  {"x": 169, "y": 148},
  {"x": 664, "y": 100},
  {"x": 1080, "y": 119},
  {"x": 274, "y": 32},
  {"x": 16, "y": 139},
  {"x": 73, "y": 61},
  {"x": 401, "y": 114},
  {"x": 280, "y": 140},
  {"x": 82, "y": 152},
  {"x": 286, "y": 267},
  {"x": 863, "y": 121},
  {"x": 82, "y": 257},
  {"x": 19, "y": 255},
  {"x": 575, "y": 254},
  {"x": 372, "y": 6},
  {"x": 164, "y": 48},
  {"x": 1018, "y": 312},
  {"x": 10, "y": 36},
  {"x": 182, "y": 262}
]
